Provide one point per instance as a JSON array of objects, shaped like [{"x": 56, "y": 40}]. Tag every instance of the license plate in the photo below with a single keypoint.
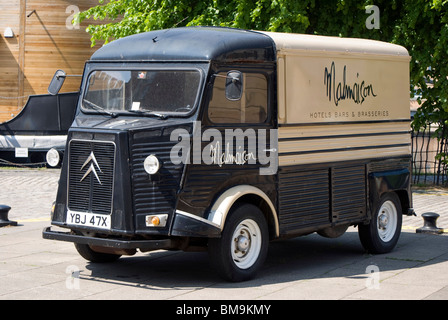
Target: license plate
[{"x": 88, "y": 219}]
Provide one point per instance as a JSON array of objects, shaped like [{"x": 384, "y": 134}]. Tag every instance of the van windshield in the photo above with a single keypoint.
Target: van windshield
[{"x": 142, "y": 91}]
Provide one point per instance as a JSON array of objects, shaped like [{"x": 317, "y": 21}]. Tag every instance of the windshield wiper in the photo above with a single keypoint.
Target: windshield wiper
[
  {"x": 149, "y": 113},
  {"x": 98, "y": 108}
]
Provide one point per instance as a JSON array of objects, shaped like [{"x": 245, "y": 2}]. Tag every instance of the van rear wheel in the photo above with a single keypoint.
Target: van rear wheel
[
  {"x": 382, "y": 233},
  {"x": 243, "y": 246}
]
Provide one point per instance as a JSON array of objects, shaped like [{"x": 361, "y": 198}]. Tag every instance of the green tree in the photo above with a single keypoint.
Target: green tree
[
  {"x": 423, "y": 30},
  {"x": 126, "y": 17},
  {"x": 329, "y": 17}
]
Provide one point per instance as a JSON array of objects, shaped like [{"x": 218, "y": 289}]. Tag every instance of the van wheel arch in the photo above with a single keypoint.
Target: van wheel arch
[
  {"x": 261, "y": 204},
  {"x": 404, "y": 200},
  {"x": 246, "y": 194}
]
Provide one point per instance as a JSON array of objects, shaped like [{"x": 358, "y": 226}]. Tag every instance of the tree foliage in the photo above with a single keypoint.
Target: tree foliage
[
  {"x": 419, "y": 25},
  {"x": 329, "y": 17},
  {"x": 126, "y": 17}
]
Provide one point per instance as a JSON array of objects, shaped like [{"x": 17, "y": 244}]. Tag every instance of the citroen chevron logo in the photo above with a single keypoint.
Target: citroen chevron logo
[{"x": 93, "y": 163}]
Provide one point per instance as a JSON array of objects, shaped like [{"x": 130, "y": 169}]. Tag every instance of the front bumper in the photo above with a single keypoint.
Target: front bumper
[{"x": 143, "y": 245}]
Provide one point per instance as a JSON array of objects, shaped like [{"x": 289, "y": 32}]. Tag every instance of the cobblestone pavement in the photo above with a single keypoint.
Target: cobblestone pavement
[
  {"x": 31, "y": 192},
  {"x": 429, "y": 200}
]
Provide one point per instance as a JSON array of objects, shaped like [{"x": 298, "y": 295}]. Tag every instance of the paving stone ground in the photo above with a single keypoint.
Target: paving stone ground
[{"x": 29, "y": 192}]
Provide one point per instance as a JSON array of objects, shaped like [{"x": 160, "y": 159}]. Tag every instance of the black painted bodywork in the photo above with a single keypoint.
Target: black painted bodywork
[{"x": 42, "y": 115}]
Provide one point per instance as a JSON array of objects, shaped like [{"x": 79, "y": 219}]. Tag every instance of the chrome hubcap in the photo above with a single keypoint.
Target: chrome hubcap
[
  {"x": 383, "y": 220},
  {"x": 242, "y": 242}
]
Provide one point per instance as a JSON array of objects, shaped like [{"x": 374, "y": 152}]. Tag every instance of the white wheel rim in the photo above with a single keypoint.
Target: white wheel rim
[
  {"x": 387, "y": 221},
  {"x": 246, "y": 244}
]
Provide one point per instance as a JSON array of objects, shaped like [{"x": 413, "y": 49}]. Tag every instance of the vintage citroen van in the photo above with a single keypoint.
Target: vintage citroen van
[{"x": 223, "y": 140}]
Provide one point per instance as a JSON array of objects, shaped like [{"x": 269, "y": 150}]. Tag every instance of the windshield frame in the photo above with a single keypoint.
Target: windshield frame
[{"x": 201, "y": 68}]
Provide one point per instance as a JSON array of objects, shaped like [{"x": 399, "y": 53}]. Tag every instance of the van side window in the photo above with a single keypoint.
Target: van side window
[{"x": 251, "y": 108}]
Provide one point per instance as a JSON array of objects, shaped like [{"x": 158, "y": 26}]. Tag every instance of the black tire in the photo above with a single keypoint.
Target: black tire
[
  {"x": 333, "y": 232},
  {"x": 87, "y": 253},
  {"x": 382, "y": 233},
  {"x": 242, "y": 249}
]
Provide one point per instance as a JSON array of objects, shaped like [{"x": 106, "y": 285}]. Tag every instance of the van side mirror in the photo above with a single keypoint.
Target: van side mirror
[
  {"x": 234, "y": 85},
  {"x": 57, "y": 82}
]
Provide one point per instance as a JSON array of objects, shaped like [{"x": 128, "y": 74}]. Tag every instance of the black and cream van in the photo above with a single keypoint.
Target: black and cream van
[{"x": 223, "y": 140}]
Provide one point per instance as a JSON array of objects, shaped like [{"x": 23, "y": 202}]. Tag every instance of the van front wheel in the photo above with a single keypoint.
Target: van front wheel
[
  {"x": 243, "y": 246},
  {"x": 87, "y": 253},
  {"x": 382, "y": 233}
]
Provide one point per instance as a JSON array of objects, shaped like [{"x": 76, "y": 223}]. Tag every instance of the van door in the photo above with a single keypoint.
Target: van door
[
  {"x": 225, "y": 164},
  {"x": 244, "y": 124}
]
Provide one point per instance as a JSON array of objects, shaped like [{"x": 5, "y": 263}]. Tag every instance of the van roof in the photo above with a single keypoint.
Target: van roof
[
  {"x": 190, "y": 44},
  {"x": 228, "y": 44}
]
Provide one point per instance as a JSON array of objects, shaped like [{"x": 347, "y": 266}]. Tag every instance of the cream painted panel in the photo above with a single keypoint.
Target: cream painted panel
[
  {"x": 334, "y": 89},
  {"x": 340, "y": 143},
  {"x": 342, "y": 129},
  {"x": 327, "y": 157},
  {"x": 327, "y": 44}
]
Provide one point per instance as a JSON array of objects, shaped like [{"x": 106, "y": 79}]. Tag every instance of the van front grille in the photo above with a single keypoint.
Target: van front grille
[{"x": 91, "y": 176}]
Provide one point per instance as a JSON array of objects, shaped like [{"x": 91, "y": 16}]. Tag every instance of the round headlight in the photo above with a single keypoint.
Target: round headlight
[
  {"x": 151, "y": 164},
  {"x": 53, "y": 157}
]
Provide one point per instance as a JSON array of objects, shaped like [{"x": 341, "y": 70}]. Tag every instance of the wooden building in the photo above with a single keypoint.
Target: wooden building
[{"x": 37, "y": 38}]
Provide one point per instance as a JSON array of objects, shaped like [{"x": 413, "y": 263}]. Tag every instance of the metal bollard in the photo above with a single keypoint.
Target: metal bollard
[
  {"x": 429, "y": 225},
  {"x": 4, "y": 210}
]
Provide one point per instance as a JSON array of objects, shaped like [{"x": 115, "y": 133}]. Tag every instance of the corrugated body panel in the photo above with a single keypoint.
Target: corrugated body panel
[
  {"x": 348, "y": 193},
  {"x": 304, "y": 199},
  {"x": 330, "y": 144},
  {"x": 202, "y": 183},
  {"x": 342, "y": 142},
  {"x": 154, "y": 194},
  {"x": 321, "y": 196},
  {"x": 389, "y": 165},
  {"x": 205, "y": 183},
  {"x": 346, "y": 155},
  {"x": 338, "y": 129}
]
